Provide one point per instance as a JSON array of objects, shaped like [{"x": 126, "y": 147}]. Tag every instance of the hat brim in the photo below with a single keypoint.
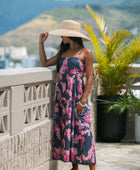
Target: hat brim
[{"x": 69, "y": 33}]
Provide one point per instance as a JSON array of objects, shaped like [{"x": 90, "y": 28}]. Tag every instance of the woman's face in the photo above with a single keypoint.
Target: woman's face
[{"x": 65, "y": 39}]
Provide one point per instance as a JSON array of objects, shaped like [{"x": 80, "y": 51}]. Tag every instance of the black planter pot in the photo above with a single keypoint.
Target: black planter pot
[{"x": 111, "y": 127}]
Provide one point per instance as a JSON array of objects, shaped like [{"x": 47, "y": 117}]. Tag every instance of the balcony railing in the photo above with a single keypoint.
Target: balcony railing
[{"x": 26, "y": 96}]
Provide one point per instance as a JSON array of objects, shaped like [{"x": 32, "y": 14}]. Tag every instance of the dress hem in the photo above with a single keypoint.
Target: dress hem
[{"x": 74, "y": 162}]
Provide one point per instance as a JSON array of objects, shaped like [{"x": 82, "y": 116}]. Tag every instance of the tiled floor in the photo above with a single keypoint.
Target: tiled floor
[{"x": 115, "y": 156}]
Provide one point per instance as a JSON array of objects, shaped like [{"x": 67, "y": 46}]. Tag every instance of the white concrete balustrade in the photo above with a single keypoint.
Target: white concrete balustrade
[
  {"x": 4, "y": 111},
  {"x": 26, "y": 96},
  {"x": 27, "y": 100}
]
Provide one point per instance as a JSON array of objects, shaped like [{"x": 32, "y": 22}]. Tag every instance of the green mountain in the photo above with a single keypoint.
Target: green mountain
[
  {"x": 14, "y": 13},
  {"x": 116, "y": 16}
]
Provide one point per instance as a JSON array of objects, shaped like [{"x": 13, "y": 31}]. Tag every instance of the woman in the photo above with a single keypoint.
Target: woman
[{"x": 72, "y": 137}]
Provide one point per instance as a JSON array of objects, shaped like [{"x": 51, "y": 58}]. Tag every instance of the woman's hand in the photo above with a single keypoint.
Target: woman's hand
[
  {"x": 43, "y": 37},
  {"x": 79, "y": 108}
]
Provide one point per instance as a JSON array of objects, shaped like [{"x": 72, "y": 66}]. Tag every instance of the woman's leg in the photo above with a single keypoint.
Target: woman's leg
[
  {"x": 75, "y": 166},
  {"x": 92, "y": 166}
]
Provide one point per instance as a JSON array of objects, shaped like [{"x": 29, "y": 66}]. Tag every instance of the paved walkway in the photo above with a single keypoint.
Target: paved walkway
[{"x": 115, "y": 156}]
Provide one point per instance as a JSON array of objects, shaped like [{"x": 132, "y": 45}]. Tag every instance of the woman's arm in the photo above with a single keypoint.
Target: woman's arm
[
  {"x": 89, "y": 77},
  {"x": 44, "y": 62}
]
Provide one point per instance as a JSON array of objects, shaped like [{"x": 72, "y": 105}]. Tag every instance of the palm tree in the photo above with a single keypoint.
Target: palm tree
[{"x": 116, "y": 58}]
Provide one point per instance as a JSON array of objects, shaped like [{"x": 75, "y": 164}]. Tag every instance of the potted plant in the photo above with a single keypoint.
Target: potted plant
[
  {"x": 115, "y": 58},
  {"x": 128, "y": 101}
]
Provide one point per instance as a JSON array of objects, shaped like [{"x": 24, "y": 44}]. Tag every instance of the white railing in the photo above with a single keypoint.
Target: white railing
[
  {"x": 4, "y": 110},
  {"x": 26, "y": 96}
]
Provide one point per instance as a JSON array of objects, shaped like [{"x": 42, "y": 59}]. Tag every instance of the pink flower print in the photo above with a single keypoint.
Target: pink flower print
[
  {"x": 64, "y": 99},
  {"x": 67, "y": 134},
  {"x": 69, "y": 92},
  {"x": 70, "y": 85},
  {"x": 69, "y": 110},
  {"x": 79, "y": 89},
  {"x": 88, "y": 107},
  {"x": 57, "y": 87},
  {"x": 80, "y": 76},
  {"x": 71, "y": 81},
  {"x": 86, "y": 118},
  {"x": 82, "y": 66},
  {"x": 69, "y": 116},
  {"x": 74, "y": 71},
  {"x": 63, "y": 125},
  {"x": 74, "y": 150},
  {"x": 72, "y": 156},
  {"x": 67, "y": 122},
  {"x": 66, "y": 67},
  {"x": 79, "y": 95},
  {"x": 57, "y": 131},
  {"x": 78, "y": 158},
  {"x": 72, "y": 123},
  {"x": 77, "y": 138},
  {"x": 66, "y": 155},
  {"x": 90, "y": 154},
  {"x": 65, "y": 61},
  {"x": 63, "y": 68},
  {"x": 79, "y": 81},
  {"x": 59, "y": 93},
  {"x": 86, "y": 132},
  {"x": 86, "y": 124},
  {"x": 63, "y": 144},
  {"x": 72, "y": 134},
  {"x": 63, "y": 86},
  {"x": 73, "y": 153},
  {"x": 60, "y": 76},
  {"x": 56, "y": 153},
  {"x": 82, "y": 139},
  {"x": 56, "y": 108}
]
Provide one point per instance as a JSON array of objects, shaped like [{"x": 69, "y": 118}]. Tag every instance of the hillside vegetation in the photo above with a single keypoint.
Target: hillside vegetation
[
  {"x": 14, "y": 13},
  {"x": 116, "y": 16}
]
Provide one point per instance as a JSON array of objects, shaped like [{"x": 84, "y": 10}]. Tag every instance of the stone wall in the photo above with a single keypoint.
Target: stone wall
[{"x": 27, "y": 150}]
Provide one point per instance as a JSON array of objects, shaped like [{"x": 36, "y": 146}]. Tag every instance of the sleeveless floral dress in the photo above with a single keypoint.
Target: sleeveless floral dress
[{"x": 72, "y": 137}]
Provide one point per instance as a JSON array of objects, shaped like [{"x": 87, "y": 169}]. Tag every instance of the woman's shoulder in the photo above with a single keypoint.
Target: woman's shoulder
[{"x": 87, "y": 52}]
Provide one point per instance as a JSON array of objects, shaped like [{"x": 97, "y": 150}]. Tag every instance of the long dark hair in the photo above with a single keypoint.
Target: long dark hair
[{"x": 64, "y": 47}]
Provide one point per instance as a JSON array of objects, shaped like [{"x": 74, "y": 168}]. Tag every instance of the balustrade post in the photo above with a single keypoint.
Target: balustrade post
[{"x": 16, "y": 109}]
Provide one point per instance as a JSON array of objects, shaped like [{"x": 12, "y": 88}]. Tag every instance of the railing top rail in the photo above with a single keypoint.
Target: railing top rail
[{"x": 12, "y": 77}]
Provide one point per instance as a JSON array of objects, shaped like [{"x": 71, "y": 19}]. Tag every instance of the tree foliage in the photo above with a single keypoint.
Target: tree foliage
[{"x": 117, "y": 56}]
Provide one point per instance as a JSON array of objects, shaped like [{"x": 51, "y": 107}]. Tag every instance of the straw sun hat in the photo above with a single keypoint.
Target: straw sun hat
[{"x": 70, "y": 28}]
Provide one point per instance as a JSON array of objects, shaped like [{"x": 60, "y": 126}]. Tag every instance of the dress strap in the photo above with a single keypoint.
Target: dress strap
[{"x": 81, "y": 51}]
